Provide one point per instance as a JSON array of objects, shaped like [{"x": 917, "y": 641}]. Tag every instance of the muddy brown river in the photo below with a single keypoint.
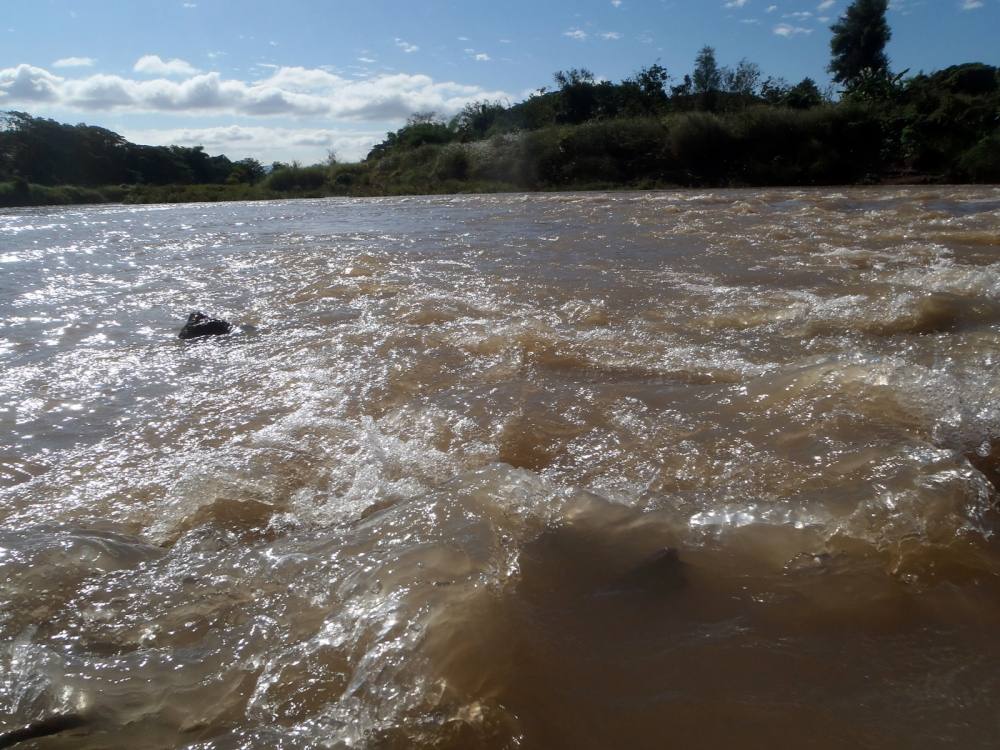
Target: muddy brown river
[{"x": 605, "y": 470}]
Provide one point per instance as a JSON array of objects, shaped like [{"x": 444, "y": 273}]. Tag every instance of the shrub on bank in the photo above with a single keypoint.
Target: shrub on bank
[
  {"x": 703, "y": 145},
  {"x": 21, "y": 193},
  {"x": 194, "y": 193},
  {"x": 296, "y": 178},
  {"x": 981, "y": 163}
]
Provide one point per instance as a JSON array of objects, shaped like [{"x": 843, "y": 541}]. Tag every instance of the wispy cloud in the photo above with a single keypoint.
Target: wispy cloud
[
  {"x": 406, "y": 46},
  {"x": 616, "y": 3},
  {"x": 74, "y": 62},
  {"x": 736, "y": 3},
  {"x": 611, "y": 35},
  {"x": 578, "y": 34},
  {"x": 826, "y": 5},
  {"x": 154, "y": 65},
  {"x": 481, "y": 57},
  {"x": 972, "y": 4},
  {"x": 787, "y": 30}
]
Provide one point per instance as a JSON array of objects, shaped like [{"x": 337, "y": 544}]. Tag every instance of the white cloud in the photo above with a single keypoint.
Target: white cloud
[
  {"x": 971, "y": 4},
  {"x": 577, "y": 34},
  {"x": 785, "y": 30},
  {"x": 482, "y": 57},
  {"x": 289, "y": 91},
  {"x": 736, "y": 3},
  {"x": 616, "y": 3},
  {"x": 190, "y": 5},
  {"x": 307, "y": 145},
  {"x": 26, "y": 83},
  {"x": 771, "y": 8},
  {"x": 406, "y": 46},
  {"x": 74, "y": 62},
  {"x": 153, "y": 65},
  {"x": 367, "y": 60},
  {"x": 826, "y": 4},
  {"x": 611, "y": 35}
]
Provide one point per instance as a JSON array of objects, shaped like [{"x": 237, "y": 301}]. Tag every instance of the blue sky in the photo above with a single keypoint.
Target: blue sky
[{"x": 296, "y": 78}]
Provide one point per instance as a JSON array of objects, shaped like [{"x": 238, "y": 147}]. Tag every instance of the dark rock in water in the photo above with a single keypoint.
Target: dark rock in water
[
  {"x": 987, "y": 460},
  {"x": 660, "y": 573},
  {"x": 199, "y": 324},
  {"x": 43, "y": 728}
]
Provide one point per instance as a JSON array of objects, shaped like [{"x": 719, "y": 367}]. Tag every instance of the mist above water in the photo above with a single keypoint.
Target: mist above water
[{"x": 538, "y": 471}]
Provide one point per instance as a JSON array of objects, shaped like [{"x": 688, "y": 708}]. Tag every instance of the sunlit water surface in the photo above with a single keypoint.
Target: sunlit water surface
[{"x": 553, "y": 471}]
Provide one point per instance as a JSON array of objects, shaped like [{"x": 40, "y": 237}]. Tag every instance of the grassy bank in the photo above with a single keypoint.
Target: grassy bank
[
  {"x": 846, "y": 143},
  {"x": 19, "y": 193}
]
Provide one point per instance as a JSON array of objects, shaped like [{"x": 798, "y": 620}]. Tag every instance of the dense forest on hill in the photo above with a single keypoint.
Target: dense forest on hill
[{"x": 717, "y": 126}]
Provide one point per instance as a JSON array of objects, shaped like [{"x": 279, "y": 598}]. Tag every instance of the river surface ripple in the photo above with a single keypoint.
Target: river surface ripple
[{"x": 539, "y": 471}]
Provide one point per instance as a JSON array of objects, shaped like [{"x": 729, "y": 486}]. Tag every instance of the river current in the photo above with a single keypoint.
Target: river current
[{"x": 606, "y": 470}]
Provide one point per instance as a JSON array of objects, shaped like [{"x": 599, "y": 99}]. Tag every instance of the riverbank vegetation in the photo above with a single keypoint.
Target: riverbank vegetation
[{"x": 716, "y": 126}]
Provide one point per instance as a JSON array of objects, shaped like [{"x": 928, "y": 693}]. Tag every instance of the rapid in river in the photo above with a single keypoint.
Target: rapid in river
[{"x": 597, "y": 470}]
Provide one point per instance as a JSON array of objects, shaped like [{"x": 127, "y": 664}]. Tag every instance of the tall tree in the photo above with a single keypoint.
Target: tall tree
[
  {"x": 858, "y": 44},
  {"x": 743, "y": 80},
  {"x": 706, "y": 77},
  {"x": 577, "y": 100}
]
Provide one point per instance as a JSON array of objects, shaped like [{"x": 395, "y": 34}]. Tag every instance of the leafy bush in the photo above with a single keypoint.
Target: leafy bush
[
  {"x": 981, "y": 163},
  {"x": 452, "y": 163},
  {"x": 296, "y": 178},
  {"x": 703, "y": 146}
]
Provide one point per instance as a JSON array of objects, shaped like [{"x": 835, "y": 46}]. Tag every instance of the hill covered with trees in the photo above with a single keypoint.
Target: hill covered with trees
[{"x": 715, "y": 126}]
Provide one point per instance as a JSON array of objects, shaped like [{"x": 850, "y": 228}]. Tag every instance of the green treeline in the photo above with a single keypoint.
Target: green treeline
[{"x": 717, "y": 126}]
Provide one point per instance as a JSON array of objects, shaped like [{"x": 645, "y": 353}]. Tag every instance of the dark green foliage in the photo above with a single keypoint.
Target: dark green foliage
[
  {"x": 46, "y": 152},
  {"x": 651, "y": 83},
  {"x": 971, "y": 79},
  {"x": 743, "y": 80},
  {"x": 981, "y": 163},
  {"x": 939, "y": 119},
  {"x": 477, "y": 121},
  {"x": 537, "y": 111},
  {"x": 452, "y": 164},
  {"x": 419, "y": 130},
  {"x": 20, "y": 193},
  {"x": 297, "y": 179},
  {"x": 703, "y": 145},
  {"x": 858, "y": 44},
  {"x": 249, "y": 171},
  {"x": 803, "y": 95},
  {"x": 774, "y": 90},
  {"x": 706, "y": 77},
  {"x": 579, "y": 96},
  {"x": 824, "y": 145}
]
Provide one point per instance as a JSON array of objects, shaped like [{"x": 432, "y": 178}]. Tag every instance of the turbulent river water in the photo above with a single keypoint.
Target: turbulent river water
[{"x": 539, "y": 471}]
